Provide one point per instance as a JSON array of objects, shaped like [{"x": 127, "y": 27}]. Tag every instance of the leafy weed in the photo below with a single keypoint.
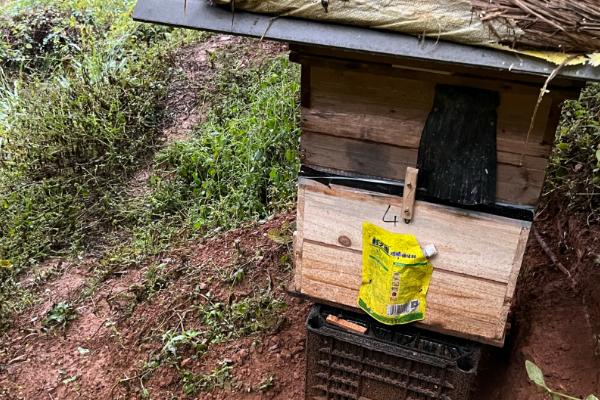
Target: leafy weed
[{"x": 59, "y": 316}]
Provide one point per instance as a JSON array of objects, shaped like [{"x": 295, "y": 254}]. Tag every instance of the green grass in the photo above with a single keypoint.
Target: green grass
[
  {"x": 82, "y": 91},
  {"x": 242, "y": 163},
  {"x": 72, "y": 135},
  {"x": 82, "y": 98}
]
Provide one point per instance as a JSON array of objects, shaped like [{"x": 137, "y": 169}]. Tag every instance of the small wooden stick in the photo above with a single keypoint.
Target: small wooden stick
[
  {"x": 410, "y": 191},
  {"x": 554, "y": 259},
  {"x": 342, "y": 323}
]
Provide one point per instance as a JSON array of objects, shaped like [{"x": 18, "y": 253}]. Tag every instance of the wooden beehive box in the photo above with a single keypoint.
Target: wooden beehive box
[
  {"x": 370, "y": 102},
  {"x": 363, "y": 117}
]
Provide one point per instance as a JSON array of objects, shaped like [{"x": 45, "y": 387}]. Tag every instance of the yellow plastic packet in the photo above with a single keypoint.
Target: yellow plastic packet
[{"x": 395, "y": 276}]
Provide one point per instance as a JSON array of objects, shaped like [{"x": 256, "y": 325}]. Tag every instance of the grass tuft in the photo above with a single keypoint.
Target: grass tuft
[
  {"x": 81, "y": 99},
  {"x": 242, "y": 163}
]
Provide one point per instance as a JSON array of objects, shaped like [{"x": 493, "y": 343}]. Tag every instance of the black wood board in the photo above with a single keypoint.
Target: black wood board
[{"x": 457, "y": 153}]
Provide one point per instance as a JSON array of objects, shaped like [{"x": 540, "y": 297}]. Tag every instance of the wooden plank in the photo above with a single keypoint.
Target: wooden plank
[
  {"x": 333, "y": 212},
  {"x": 352, "y": 91},
  {"x": 457, "y": 305},
  {"x": 514, "y": 275},
  {"x": 519, "y": 185},
  {"x": 478, "y": 261},
  {"x": 516, "y": 185},
  {"x": 296, "y": 282},
  {"x": 525, "y": 161},
  {"x": 405, "y": 131},
  {"x": 515, "y": 113},
  {"x": 344, "y": 324},
  {"x": 346, "y": 90},
  {"x": 356, "y": 156}
]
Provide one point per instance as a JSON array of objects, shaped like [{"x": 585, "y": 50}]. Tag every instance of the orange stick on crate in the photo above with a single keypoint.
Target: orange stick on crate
[{"x": 344, "y": 324}]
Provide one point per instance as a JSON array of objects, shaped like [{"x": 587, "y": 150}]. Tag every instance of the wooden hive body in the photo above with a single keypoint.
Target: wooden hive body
[{"x": 363, "y": 116}]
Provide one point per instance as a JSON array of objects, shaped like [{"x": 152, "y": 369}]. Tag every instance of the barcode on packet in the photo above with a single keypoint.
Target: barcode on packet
[{"x": 399, "y": 309}]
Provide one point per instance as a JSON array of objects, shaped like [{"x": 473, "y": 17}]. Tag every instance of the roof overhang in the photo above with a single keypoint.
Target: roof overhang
[{"x": 199, "y": 14}]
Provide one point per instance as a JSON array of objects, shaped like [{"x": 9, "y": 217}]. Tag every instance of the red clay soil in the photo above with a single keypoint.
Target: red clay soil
[
  {"x": 556, "y": 319},
  {"x": 122, "y": 332},
  {"x": 550, "y": 326}
]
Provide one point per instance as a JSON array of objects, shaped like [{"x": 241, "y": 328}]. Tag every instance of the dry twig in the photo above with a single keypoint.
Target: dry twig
[
  {"x": 557, "y": 263},
  {"x": 563, "y": 25}
]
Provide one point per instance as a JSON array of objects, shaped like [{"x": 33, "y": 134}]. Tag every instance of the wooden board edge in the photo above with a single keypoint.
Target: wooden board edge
[
  {"x": 360, "y": 194},
  {"x": 310, "y": 55},
  {"x": 514, "y": 274},
  {"x": 296, "y": 282},
  {"x": 518, "y": 261}
]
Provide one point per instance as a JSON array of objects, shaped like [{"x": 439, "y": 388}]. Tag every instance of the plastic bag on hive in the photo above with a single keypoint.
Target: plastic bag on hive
[{"x": 395, "y": 276}]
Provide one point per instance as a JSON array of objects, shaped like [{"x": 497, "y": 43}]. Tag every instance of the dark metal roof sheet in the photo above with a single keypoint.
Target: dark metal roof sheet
[{"x": 200, "y": 15}]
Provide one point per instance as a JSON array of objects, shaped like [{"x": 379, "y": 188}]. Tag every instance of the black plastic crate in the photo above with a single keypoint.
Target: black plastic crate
[{"x": 386, "y": 363}]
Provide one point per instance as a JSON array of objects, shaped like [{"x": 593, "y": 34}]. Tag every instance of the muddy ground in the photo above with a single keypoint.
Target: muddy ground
[
  {"x": 121, "y": 332},
  {"x": 555, "y": 319},
  {"x": 211, "y": 319}
]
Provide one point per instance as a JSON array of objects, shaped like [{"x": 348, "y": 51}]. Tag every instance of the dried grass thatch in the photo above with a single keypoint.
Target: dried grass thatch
[{"x": 564, "y": 25}]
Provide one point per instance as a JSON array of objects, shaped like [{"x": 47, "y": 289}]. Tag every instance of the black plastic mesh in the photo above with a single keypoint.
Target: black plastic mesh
[{"x": 387, "y": 363}]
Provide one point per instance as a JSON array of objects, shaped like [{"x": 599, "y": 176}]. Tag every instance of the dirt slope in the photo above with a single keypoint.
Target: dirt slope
[
  {"x": 555, "y": 319},
  {"x": 105, "y": 352}
]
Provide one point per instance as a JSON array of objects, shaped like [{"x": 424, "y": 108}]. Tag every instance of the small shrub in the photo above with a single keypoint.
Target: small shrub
[
  {"x": 574, "y": 172},
  {"x": 59, "y": 316},
  {"x": 220, "y": 378},
  {"x": 245, "y": 317},
  {"x": 174, "y": 343}
]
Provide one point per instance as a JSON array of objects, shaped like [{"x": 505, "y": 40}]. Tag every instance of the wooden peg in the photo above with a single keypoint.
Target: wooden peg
[
  {"x": 344, "y": 324},
  {"x": 410, "y": 191}
]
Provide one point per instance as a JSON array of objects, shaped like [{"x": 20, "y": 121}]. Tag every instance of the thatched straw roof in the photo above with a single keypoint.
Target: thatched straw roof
[
  {"x": 566, "y": 25},
  {"x": 558, "y": 25}
]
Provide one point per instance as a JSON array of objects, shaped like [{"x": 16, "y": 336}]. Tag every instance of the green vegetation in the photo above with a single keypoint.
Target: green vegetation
[
  {"x": 242, "y": 163},
  {"x": 72, "y": 135},
  {"x": 82, "y": 100},
  {"x": 175, "y": 342},
  {"x": 81, "y": 93},
  {"x": 574, "y": 172},
  {"x": 59, "y": 316},
  {"x": 220, "y": 377},
  {"x": 220, "y": 323},
  {"x": 242, "y": 318}
]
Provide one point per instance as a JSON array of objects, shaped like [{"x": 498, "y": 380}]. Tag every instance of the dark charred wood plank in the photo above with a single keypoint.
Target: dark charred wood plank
[{"x": 457, "y": 153}]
